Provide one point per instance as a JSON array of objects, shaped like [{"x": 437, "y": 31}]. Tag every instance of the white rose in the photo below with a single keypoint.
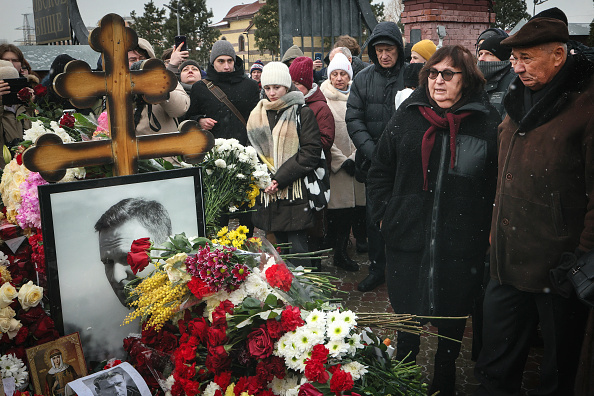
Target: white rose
[
  {"x": 30, "y": 295},
  {"x": 13, "y": 328},
  {"x": 7, "y": 294},
  {"x": 7, "y": 312},
  {"x": 177, "y": 274}
]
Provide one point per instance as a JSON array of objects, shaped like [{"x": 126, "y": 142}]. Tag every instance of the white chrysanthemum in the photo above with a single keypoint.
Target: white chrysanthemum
[
  {"x": 337, "y": 330},
  {"x": 211, "y": 389},
  {"x": 12, "y": 366},
  {"x": 4, "y": 259},
  {"x": 317, "y": 335},
  {"x": 333, "y": 316},
  {"x": 349, "y": 318},
  {"x": 238, "y": 295},
  {"x": 256, "y": 286},
  {"x": 356, "y": 369},
  {"x": 303, "y": 339},
  {"x": 354, "y": 342},
  {"x": 280, "y": 387},
  {"x": 297, "y": 363},
  {"x": 337, "y": 347},
  {"x": 316, "y": 319},
  {"x": 220, "y": 163}
]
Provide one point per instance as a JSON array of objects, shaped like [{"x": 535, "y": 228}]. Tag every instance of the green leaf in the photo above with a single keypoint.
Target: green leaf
[
  {"x": 271, "y": 300},
  {"x": 251, "y": 303}
]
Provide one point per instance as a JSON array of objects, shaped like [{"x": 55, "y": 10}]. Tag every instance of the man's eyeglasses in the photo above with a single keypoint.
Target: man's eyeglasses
[{"x": 446, "y": 74}]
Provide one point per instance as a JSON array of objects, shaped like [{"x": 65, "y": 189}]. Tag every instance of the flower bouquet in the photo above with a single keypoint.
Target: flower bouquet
[
  {"x": 232, "y": 179},
  {"x": 248, "y": 324},
  {"x": 13, "y": 367}
]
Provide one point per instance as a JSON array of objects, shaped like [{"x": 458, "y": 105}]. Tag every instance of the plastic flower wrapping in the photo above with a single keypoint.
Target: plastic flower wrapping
[
  {"x": 233, "y": 176},
  {"x": 248, "y": 323}
]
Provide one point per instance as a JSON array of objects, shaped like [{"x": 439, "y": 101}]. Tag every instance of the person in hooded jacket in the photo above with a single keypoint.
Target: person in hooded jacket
[
  {"x": 369, "y": 108},
  {"x": 286, "y": 136},
  {"x": 494, "y": 63},
  {"x": 291, "y": 54},
  {"x": 226, "y": 71},
  {"x": 432, "y": 183}
]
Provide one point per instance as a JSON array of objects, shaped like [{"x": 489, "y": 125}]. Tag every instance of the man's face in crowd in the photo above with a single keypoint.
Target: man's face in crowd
[
  {"x": 224, "y": 64},
  {"x": 134, "y": 56},
  {"x": 256, "y": 75},
  {"x": 487, "y": 56},
  {"x": 113, "y": 386},
  {"x": 387, "y": 55},
  {"x": 114, "y": 245},
  {"x": 536, "y": 66}
]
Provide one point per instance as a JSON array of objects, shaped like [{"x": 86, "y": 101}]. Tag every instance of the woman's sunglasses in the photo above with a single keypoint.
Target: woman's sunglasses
[{"x": 446, "y": 74}]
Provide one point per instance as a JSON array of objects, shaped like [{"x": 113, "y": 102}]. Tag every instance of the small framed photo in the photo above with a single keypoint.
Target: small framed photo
[
  {"x": 88, "y": 227},
  {"x": 121, "y": 380},
  {"x": 56, "y": 363}
]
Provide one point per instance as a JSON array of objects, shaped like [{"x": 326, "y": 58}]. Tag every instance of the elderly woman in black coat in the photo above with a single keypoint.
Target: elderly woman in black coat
[{"x": 432, "y": 183}]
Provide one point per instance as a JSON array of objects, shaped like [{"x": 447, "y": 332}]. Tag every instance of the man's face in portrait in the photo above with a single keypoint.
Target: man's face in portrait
[
  {"x": 112, "y": 386},
  {"x": 114, "y": 245}
]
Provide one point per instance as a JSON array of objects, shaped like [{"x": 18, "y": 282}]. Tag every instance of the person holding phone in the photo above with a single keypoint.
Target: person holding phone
[{"x": 11, "y": 63}]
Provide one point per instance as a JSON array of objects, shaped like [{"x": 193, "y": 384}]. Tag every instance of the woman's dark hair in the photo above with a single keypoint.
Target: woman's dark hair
[
  {"x": 461, "y": 58},
  {"x": 4, "y": 48}
]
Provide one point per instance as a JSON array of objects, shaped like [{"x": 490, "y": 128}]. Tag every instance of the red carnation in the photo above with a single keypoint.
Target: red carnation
[
  {"x": 279, "y": 276},
  {"x": 67, "y": 120},
  {"x": 217, "y": 360},
  {"x": 341, "y": 381},
  {"x": 223, "y": 380},
  {"x": 40, "y": 91},
  {"x": 319, "y": 353},
  {"x": 259, "y": 343},
  {"x": 198, "y": 328},
  {"x": 275, "y": 330},
  {"x": 216, "y": 336},
  {"x": 316, "y": 372},
  {"x": 308, "y": 389},
  {"x": 291, "y": 318},
  {"x": 138, "y": 261},
  {"x": 199, "y": 288}
]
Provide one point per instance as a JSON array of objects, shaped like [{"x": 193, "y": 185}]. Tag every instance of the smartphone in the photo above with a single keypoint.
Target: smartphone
[
  {"x": 318, "y": 56},
  {"x": 15, "y": 84},
  {"x": 179, "y": 40}
]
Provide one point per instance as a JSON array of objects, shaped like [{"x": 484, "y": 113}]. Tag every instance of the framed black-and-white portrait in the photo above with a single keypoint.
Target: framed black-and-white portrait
[{"x": 88, "y": 227}]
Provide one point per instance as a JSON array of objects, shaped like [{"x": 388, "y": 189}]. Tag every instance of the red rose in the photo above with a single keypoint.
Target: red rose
[
  {"x": 291, "y": 318},
  {"x": 341, "y": 381},
  {"x": 138, "y": 261},
  {"x": 24, "y": 94},
  {"x": 217, "y": 360},
  {"x": 216, "y": 337},
  {"x": 40, "y": 90},
  {"x": 31, "y": 316},
  {"x": 308, "y": 389},
  {"x": 219, "y": 316},
  {"x": 316, "y": 372},
  {"x": 141, "y": 245},
  {"x": 186, "y": 352},
  {"x": 275, "y": 330},
  {"x": 67, "y": 120},
  {"x": 199, "y": 288},
  {"x": 259, "y": 343},
  {"x": 44, "y": 326},
  {"x": 167, "y": 342}
]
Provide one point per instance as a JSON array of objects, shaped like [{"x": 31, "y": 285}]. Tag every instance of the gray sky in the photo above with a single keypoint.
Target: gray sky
[{"x": 92, "y": 11}]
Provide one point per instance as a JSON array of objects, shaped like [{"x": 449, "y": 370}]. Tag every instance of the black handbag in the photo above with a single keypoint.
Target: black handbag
[{"x": 581, "y": 276}]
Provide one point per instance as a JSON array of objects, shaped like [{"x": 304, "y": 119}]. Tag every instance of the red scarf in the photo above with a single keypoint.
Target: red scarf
[{"x": 453, "y": 122}]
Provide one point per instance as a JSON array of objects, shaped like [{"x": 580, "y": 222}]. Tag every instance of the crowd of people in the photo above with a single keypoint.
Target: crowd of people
[{"x": 464, "y": 176}]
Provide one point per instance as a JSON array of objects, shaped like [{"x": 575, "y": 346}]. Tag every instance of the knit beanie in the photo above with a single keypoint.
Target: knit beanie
[
  {"x": 494, "y": 46},
  {"x": 302, "y": 71},
  {"x": 186, "y": 63},
  {"x": 220, "y": 48},
  {"x": 425, "y": 48},
  {"x": 258, "y": 65},
  {"x": 276, "y": 73},
  {"x": 340, "y": 62}
]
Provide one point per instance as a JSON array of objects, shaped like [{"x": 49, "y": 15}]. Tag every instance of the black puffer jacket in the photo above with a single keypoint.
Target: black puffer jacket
[
  {"x": 446, "y": 227},
  {"x": 371, "y": 102},
  {"x": 242, "y": 91}
]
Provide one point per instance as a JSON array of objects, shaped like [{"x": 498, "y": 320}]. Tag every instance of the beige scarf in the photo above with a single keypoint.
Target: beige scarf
[{"x": 276, "y": 146}]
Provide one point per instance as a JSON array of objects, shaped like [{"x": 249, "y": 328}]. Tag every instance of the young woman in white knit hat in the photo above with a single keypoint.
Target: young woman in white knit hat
[{"x": 286, "y": 136}]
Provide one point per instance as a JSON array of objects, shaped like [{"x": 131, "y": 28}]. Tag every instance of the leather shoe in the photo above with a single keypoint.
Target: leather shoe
[
  {"x": 346, "y": 264},
  {"x": 362, "y": 247},
  {"x": 371, "y": 282}
]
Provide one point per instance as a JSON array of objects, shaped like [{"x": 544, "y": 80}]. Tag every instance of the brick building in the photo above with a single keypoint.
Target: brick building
[{"x": 463, "y": 20}]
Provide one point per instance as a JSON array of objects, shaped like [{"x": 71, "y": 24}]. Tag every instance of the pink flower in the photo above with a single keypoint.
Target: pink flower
[{"x": 29, "y": 214}]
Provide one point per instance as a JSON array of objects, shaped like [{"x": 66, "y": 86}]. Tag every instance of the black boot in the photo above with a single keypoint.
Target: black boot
[{"x": 341, "y": 257}]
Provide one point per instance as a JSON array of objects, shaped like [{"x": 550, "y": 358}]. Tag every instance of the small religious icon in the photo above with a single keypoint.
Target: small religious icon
[{"x": 56, "y": 363}]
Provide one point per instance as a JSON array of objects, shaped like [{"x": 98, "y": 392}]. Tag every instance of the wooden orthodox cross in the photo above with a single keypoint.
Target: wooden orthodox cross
[{"x": 51, "y": 157}]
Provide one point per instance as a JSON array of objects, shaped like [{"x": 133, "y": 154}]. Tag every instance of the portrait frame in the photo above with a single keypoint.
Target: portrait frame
[
  {"x": 81, "y": 297},
  {"x": 38, "y": 357}
]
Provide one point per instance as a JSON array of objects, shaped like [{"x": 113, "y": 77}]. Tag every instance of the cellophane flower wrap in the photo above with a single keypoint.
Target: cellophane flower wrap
[
  {"x": 248, "y": 323},
  {"x": 232, "y": 178}
]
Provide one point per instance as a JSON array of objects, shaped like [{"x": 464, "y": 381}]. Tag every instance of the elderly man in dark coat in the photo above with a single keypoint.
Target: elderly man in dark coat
[
  {"x": 544, "y": 207},
  {"x": 369, "y": 108}
]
